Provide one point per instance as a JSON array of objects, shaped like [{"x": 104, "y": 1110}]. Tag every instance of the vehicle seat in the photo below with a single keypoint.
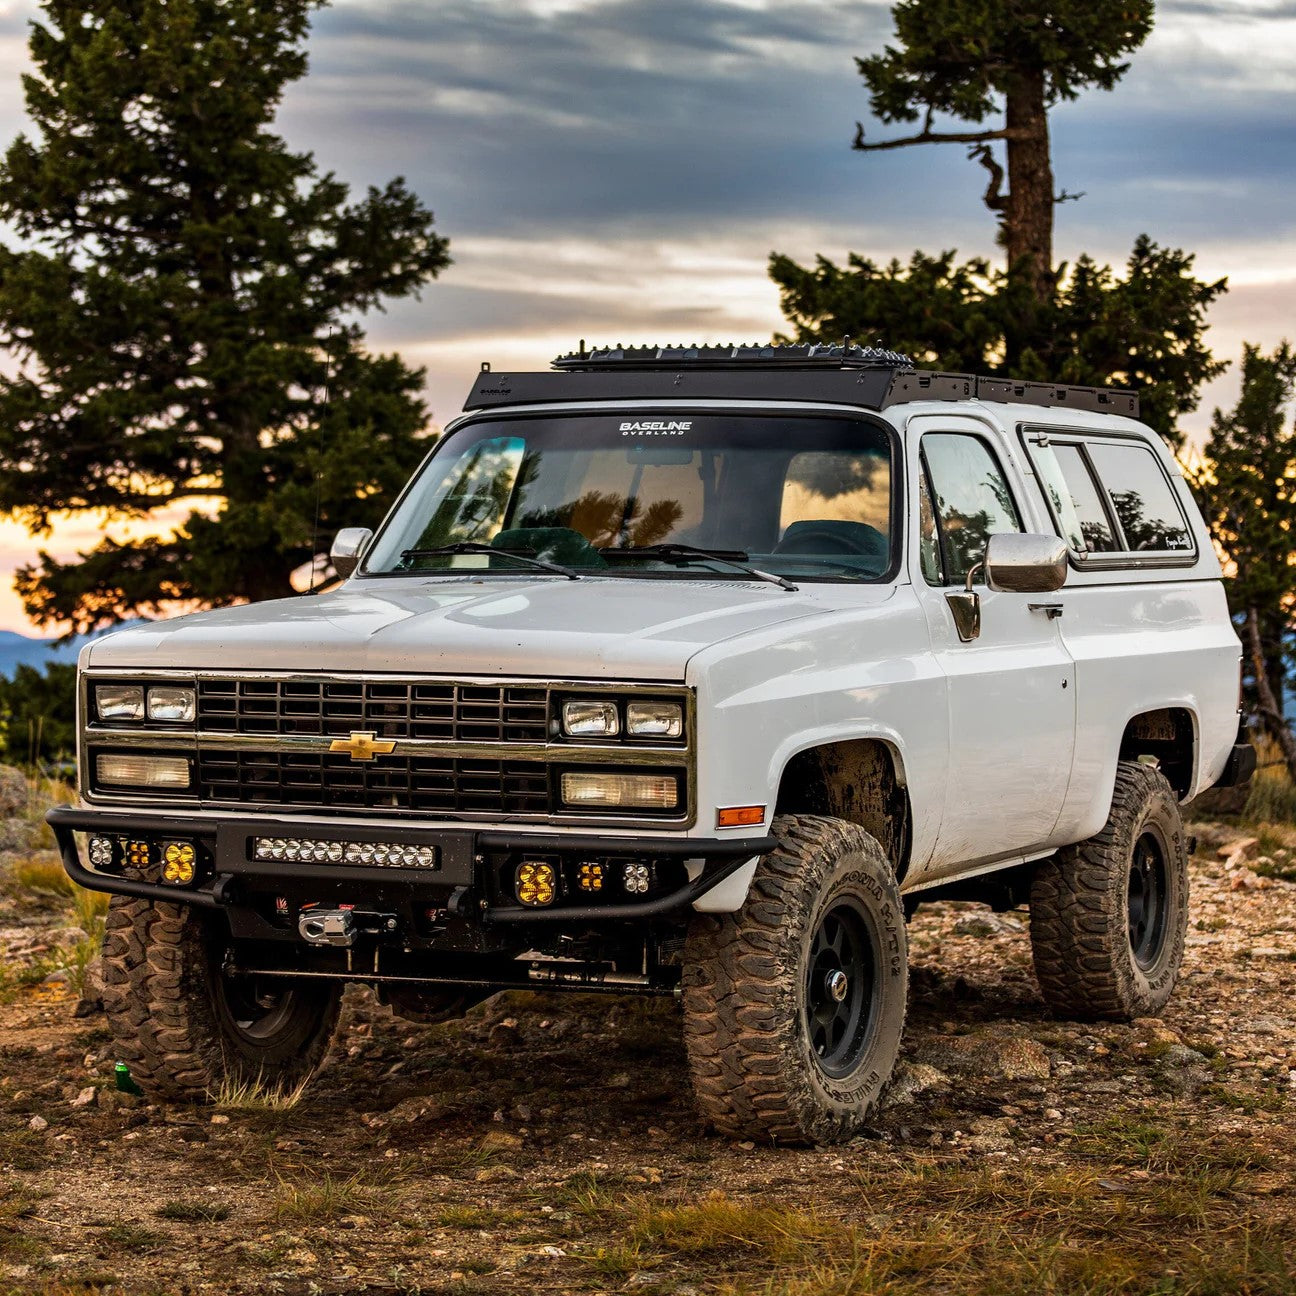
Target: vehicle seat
[{"x": 551, "y": 544}]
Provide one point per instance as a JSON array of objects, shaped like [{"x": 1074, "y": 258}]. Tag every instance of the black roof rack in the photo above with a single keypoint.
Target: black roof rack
[
  {"x": 693, "y": 355},
  {"x": 838, "y": 373}
]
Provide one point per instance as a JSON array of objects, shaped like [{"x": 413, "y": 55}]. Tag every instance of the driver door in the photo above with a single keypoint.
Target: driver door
[{"x": 1011, "y": 689}]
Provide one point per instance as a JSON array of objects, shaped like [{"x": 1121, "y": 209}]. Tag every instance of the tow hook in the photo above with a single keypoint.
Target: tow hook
[{"x": 342, "y": 926}]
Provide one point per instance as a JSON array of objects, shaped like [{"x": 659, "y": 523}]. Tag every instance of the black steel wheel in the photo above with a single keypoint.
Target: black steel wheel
[
  {"x": 794, "y": 1006},
  {"x": 1109, "y": 915},
  {"x": 842, "y": 980},
  {"x": 1148, "y": 898}
]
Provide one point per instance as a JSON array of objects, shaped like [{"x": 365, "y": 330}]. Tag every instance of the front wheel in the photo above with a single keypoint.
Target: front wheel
[
  {"x": 1108, "y": 917},
  {"x": 794, "y": 1006},
  {"x": 186, "y": 1027}
]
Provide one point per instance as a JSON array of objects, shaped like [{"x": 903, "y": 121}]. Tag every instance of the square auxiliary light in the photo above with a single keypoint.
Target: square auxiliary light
[
  {"x": 591, "y": 719},
  {"x": 654, "y": 719}
]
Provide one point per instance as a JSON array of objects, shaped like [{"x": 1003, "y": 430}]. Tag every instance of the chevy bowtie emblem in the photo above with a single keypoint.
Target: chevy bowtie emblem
[{"x": 363, "y": 746}]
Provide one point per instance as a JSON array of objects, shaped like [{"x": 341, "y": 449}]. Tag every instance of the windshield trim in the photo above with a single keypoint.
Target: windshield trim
[{"x": 755, "y": 409}]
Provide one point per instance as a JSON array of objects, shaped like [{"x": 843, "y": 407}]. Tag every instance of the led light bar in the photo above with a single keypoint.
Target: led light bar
[{"x": 311, "y": 850}]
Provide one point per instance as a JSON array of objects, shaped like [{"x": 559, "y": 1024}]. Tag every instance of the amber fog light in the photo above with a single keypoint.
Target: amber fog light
[
  {"x": 535, "y": 884},
  {"x": 179, "y": 863},
  {"x": 623, "y": 791},
  {"x": 122, "y": 769}
]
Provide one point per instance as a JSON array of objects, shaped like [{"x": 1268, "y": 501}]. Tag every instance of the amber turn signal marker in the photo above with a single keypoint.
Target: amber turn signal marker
[{"x": 740, "y": 816}]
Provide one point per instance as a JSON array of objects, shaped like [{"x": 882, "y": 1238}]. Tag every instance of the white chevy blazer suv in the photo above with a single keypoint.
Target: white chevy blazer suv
[{"x": 677, "y": 671}]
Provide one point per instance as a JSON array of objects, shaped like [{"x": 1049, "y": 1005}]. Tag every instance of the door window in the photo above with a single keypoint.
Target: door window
[{"x": 972, "y": 500}]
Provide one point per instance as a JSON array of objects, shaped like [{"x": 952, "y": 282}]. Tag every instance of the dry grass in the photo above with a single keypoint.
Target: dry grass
[
  {"x": 256, "y": 1095},
  {"x": 318, "y": 1199},
  {"x": 45, "y": 877}
]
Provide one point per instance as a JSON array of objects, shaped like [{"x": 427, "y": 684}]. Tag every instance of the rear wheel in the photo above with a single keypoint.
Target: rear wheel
[
  {"x": 1109, "y": 916},
  {"x": 188, "y": 1029},
  {"x": 795, "y": 1005}
]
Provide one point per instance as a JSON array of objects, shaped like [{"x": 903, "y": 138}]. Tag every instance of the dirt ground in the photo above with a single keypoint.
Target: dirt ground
[{"x": 547, "y": 1144}]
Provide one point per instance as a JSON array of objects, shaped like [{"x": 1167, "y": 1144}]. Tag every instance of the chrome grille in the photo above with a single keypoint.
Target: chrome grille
[
  {"x": 450, "y": 712},
  {"x": 428, "y": 784}
]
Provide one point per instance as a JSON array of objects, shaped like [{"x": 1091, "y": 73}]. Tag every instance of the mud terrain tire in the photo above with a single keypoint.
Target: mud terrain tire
[
  {"x": 184, "y": 1028},
  {"x": 794, "y": 1006},
  {"x": 1108, "y": 916}
]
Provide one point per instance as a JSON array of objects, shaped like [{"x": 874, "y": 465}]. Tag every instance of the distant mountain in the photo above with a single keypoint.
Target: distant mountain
[{"x": 22, "y": 650}]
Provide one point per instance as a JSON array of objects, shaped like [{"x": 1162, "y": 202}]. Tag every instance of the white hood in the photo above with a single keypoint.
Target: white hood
[{"x": 595, "y": 628}]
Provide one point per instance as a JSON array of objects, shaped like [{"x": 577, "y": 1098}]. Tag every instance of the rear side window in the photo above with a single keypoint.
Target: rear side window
[
  {"x": 1111, "y": 498},
  {"x": 1145, "y": 505}
]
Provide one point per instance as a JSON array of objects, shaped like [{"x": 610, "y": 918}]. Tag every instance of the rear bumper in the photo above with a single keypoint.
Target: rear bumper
[{"x": 459, "y": 883}]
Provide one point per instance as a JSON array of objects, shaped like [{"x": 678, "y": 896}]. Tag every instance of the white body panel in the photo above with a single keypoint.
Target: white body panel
[{"x": 1007, "y": 746}]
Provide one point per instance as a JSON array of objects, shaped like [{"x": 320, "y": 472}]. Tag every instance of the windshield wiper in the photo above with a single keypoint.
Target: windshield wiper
[
  {"x": 472, "y": 547},
  {"x": 683, "y": 553}
]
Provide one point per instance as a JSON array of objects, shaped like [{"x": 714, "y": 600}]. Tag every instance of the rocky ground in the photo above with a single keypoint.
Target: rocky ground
[{"x": 548, "y": 1145}]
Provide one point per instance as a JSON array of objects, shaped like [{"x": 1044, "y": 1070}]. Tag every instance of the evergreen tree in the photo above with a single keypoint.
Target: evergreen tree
[
  {"x": 974, "y": 59},
  {"x": 38, "y": 716},
  {"x": 183, "y": 292},
  {"x": 1144, "y": 330},
  {"x": 1247, "y": 487}
]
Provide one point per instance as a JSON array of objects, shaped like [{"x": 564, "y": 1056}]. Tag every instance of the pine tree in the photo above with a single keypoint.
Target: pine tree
[
  {"x": 974, "y": 59},
  {"x": 183, "y": 292},
  {"x": 1143, "y": 330},
  {"x": 1247, "y": 487}
]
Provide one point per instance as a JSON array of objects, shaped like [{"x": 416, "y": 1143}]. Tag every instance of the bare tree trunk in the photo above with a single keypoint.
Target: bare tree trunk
[
  {"x": 1269, "y": 710},
  {"x": 1028, "y": 205}
]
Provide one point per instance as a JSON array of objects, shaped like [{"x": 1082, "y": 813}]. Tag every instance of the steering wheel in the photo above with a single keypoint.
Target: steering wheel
[{"x": 811, "y": 539}]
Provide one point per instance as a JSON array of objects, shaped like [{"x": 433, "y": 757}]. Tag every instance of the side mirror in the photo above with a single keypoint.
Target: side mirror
[
  {"x": 348, "y": 548},
  {"x": 1025, "y": 564}
]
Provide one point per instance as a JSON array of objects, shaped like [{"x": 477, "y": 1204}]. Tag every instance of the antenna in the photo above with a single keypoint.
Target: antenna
[{"x": 319, "y": 462}]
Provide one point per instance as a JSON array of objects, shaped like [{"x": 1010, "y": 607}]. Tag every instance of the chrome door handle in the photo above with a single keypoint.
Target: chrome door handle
[{"x": 1050, "y": 610}]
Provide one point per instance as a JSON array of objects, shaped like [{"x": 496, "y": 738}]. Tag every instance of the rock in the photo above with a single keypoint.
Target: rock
[
  {"x": 14, "y": 791},
  {"x": 414, "y": 1109},
  {"x": 499, "y": 1141},
  {"x": 60, "y": 976},
  {"x": 1150, "y": 1038},
  {"x": 1010, "y": 1057},
  {"x": 86, "y": 1098},
  {"x": 491, "y": 1173},
  {"x": 36, "y": 1123},
  {"x": 18, "y": 834},
  {"x": 1241, "y": 848},
  {"x": 911, "y": 1080},
  {"x": 986, "y": 924}
]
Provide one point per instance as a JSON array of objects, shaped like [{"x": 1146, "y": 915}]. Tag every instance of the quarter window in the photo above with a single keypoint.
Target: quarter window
[
  {"x": 1141, "y": 494},
  {"x": 972, "y": 500}
]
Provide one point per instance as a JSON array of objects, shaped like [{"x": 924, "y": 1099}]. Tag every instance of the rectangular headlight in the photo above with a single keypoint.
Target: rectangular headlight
[
  {"x": 591, "y": 720},
  {"x": 119, "y": 701},
  {"x": 171, "y": 702},
  {"x": 626, "y": 791},
  {"x": 124, "y": 769},
  {"x": 654, "y": 719}
]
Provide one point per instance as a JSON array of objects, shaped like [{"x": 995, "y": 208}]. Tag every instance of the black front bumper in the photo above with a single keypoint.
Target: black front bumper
[{"x": 459, "y": 883}]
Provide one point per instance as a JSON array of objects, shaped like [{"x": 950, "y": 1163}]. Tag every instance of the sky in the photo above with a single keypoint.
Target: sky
[{"x": 620, "y": 170}]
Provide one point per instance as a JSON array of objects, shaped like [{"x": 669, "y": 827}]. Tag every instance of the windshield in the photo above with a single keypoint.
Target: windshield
[{"x": 801, "y": 497}]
